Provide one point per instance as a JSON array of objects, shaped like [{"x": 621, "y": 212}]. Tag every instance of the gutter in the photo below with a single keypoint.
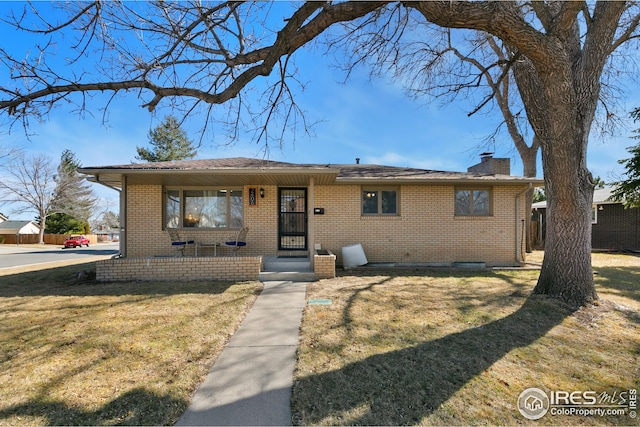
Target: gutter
[
  {"x": 96, "y": 179},
  {"x": 519, "y": 257}
]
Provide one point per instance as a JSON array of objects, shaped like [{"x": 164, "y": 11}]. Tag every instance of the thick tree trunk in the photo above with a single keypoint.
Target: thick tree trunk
[
  {"x": 561, "y": 114},
  {"x": 566, "y": 270},
  {"x": 558, "y": 73}
]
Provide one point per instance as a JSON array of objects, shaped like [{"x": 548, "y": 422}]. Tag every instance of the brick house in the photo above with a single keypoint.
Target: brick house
[{"x": 399, "y": 215}]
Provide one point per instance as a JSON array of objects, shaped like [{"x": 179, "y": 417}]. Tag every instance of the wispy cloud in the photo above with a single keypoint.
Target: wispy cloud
[{"x": 433, "y": 163}]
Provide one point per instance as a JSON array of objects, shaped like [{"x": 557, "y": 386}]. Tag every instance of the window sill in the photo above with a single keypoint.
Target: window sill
[{"x": 377, "y": 217}]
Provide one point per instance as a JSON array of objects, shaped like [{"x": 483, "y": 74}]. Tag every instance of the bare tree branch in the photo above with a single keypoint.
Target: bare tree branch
[
  {"x": 29, "y": 183},
  {"x": 171, "y": 69}
]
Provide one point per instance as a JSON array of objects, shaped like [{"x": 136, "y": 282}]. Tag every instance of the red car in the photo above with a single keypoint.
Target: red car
[{"x": 75, "y": 241}]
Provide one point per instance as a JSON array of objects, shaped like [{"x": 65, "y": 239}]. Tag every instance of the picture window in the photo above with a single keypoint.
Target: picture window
[{"x": 203, "y": 208}]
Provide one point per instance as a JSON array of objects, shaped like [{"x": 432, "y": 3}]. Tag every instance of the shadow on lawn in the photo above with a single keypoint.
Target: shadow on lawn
[
  {"x": 402, "y": 387},
  {"x": 79, "y": 280},
  {"x": 624, "y": 281},
  {"x": 135, "y": 407}
]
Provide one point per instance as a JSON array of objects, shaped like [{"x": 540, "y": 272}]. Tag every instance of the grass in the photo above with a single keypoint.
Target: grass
[
  {"x": 457, "y": 348},
  {"x": 75, "y": 352},
  {"x": 395, "y": 347}
]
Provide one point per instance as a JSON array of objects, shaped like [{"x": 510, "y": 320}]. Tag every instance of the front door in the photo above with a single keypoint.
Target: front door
[{"x": 292, "y": 224}]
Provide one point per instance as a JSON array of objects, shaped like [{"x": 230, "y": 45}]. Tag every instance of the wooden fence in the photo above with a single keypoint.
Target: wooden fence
[{"x": 32, "y": 239}]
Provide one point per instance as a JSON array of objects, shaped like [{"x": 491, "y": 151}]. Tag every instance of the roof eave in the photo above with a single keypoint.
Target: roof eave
[
  {"x": 294, "y": 176},
  {"x": 445, "y": 181}
]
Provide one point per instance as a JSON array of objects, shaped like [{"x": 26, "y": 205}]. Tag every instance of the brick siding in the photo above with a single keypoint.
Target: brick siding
[{"x": 425, "y": 231}]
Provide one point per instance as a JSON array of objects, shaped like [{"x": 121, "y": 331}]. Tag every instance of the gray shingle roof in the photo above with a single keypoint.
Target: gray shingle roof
[
  {"x": 343, "y": 172},
  {"x": 600, "y": 196},
  {"x": 212, "y": 164},
  {"x": 13, "y": 226}
]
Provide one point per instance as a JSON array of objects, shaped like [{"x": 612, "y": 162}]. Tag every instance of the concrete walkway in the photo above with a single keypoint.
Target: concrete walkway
[{"x": 250, "y": 383}]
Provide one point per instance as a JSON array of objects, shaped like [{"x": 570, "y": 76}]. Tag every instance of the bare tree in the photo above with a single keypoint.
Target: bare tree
[
  {"x": 480, "y": 60},
  {"x": 193, "y": 55},
  {"x": 29, "y": 184},
  {"x": 7, "y": 153}
]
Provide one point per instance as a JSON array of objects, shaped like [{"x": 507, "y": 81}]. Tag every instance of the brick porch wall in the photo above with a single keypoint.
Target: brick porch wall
[
  {"x": 324, "y": 266},
  {"x": 179, "y": 269}
]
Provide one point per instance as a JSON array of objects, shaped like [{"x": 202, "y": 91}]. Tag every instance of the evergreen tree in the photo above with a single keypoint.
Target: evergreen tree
[
  {"x": 168, "y": 142},
  {"x": 73, "y": 195},
  {"x": 599, "y": 183},
  {"x": 62, "y": 223},
  {"x": 628, "y": 190},
  {"x": 539, "y": 195}
]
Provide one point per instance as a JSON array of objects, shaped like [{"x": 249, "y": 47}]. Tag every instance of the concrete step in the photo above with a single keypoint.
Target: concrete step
[
  {"x": 287, "y": 276},
  {"x": 287, "y": 269},
  {"x": 286, "y": 264}
]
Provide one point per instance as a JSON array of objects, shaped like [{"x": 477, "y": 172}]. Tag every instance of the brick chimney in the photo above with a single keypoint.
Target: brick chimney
[{"x": 491, "y": 166}]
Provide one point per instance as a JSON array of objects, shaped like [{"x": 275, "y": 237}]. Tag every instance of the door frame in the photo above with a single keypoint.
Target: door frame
[{"x": 296, "y": 223}]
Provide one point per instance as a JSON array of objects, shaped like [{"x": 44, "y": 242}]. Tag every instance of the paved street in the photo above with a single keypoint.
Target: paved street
[{"x": 20, "y": 256}]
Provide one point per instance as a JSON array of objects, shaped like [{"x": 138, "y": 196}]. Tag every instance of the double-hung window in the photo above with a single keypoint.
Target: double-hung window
[
  {"x": 472, "y": 202},
  {"x": 380, "y": 201},
  {"x": 203, "y": 208}
]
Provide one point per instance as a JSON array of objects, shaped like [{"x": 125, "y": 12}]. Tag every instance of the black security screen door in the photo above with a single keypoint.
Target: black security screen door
[{"x": 292, "y": 225}]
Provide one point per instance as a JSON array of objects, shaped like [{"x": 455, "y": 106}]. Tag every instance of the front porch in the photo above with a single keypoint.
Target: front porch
[{"x": 191, "y": 268}]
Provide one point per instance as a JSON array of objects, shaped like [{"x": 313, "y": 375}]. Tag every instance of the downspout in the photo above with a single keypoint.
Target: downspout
[
  {"x": 123, "y": 218},
  {"x": 540, "y": 226},
  {"x": 311, "y": 225},
  {"x": 519, "y": 257}
]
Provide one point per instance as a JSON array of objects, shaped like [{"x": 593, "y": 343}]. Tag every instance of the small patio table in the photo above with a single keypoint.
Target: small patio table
[{"x": 213, "y": 245}]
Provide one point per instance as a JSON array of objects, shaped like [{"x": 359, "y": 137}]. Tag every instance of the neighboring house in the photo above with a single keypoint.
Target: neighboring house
[
  {"x": 3, "y": 218},
  {"x": 18, "y": 231},
  {"x": 397, "y": 214},
  {"x": 612, "y": 226},
  {"x": 105, "y": 233}
]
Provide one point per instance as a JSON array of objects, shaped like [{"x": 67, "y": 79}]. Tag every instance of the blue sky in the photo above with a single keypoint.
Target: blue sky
[{"x": 372, "y": 120}]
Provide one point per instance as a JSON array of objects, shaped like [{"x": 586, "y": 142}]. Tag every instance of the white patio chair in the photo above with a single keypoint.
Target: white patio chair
[
  {"x": 177, "y": 242},
  {"x": 238, "y": 241}
]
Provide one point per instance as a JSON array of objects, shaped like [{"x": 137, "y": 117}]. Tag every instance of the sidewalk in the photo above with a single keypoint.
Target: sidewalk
[{"x": 250, "y": 383}]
